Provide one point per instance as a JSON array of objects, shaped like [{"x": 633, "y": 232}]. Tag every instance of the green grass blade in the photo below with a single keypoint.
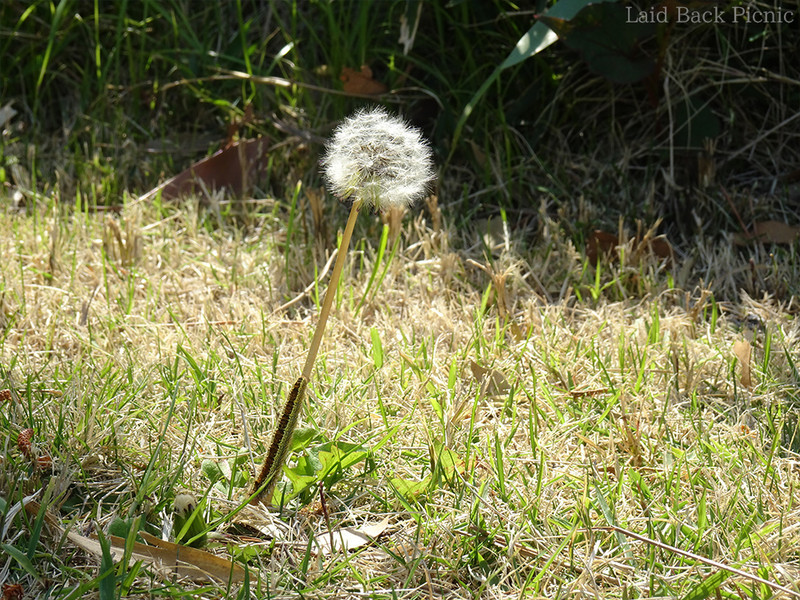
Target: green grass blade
[
  {"x": 708, "y": 586},
  {"x": 106, "y": 581},
  {"x": 375, "y": 267},
  {"x": 54, "y": 25},
  {"x": 22, "y": 560},
  {"x": 377, "y": 348}
]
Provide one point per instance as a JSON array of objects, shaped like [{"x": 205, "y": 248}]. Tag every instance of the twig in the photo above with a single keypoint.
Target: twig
[
  {"x": 702, "y": 559},
  {"x": 761, "y": 137}
]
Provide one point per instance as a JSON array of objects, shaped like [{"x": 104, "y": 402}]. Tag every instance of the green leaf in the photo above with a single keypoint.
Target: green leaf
[
  {"x": 609, "y": 516},
  {"x": 308, "y": 464},
  {"x": 694, "y": 122},
  {"x": 607, "y": 41},
  {"x": 337, "y": 457},
  {"x": 36, "y": 529},
  {"x": 300, "y": 482},
  {"x": 302, "y": 437},
  {"x": 447, "y": 461},
  {"x": 106, "y": 580},
  {"x": 211, "y": 470},
  {"x": 326, "y": 462},
  {"x": 189, "y": 525},
  {"x": 436, "y": 406},
  {"x": 376, "y": 266},
  {"x": 410, "y": 489},
  {"x": 743, "y": 536},
  {"x": 538, "y": 37},
  {"x": 121, "y": 528}
]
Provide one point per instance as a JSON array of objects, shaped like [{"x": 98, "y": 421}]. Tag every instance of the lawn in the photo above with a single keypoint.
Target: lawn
[{"x": 529, "y": 387}]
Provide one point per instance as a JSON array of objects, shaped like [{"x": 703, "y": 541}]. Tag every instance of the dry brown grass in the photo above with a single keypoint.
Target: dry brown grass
[{"x": 555, "y": 411}]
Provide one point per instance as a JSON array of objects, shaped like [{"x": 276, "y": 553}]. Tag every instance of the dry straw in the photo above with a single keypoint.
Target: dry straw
[{"x": 377, "y": 161}]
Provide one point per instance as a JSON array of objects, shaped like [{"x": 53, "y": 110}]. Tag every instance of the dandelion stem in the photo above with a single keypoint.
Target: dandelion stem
[
  {"x": 279, "y": 447},
  {"x": 331, "y": 291}
]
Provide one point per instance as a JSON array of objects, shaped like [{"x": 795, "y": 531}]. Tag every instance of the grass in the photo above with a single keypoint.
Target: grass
[
  {"x": 501, "y": 450},
  {"x": 500, "y": 406}
]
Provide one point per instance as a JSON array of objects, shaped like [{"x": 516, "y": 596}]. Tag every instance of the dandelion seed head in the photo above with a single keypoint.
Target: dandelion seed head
[{"x": 378, "y": 160}]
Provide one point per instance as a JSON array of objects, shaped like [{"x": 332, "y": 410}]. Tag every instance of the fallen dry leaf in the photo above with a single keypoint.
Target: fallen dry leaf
[
  {"x": 600, "y": 243},
  {"x": 742, "y": 352},
  {"x": 7, "y": 113},
  {"x": 603, "y": 243},
  {"x": 167, "y": 558},
  {"x": 496, "y": 383},
  {"x": 12, "y": 591},
  {"x": 770, "y": 232},
  {"x": 235, "y": 167},
  {"x": 361, "y": 82},
  {"x": 349, "y": 538}
]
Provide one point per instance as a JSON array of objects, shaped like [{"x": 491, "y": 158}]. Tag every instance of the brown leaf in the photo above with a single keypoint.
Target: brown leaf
[
  {"x": 361, "y": 82},
  {"x": 775, "y": 232},
  {"x": 742, "y": 351},
  {"x": 600, "y": 243},
  {"x": 12, "y": 591},
  {"x": 167, "y": 558},
  {"x": 660, "y": 247},
  {"x": 494, "y": 380},
  {"x": 235, "y": 168}
]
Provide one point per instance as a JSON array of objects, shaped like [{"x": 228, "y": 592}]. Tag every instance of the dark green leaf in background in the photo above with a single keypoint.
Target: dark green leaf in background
[{"x": 607, "y": 41}]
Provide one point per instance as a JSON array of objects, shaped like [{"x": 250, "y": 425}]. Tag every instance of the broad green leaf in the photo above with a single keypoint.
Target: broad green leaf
[
  {"x": 540, "y": 36},
  {"x": 448, "y": 461},
  {"x": 694, "y": 122},
  {"x": 607, "y": 41},
  {"x": 300, "y": 482},
  {"x": 301, "y": 437},
  {"x": 340, "y": 456},
  {"x": 211, "y": 470}
]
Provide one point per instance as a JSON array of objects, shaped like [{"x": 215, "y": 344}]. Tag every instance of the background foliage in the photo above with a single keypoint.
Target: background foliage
[{"x": 143, "y": 88}]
